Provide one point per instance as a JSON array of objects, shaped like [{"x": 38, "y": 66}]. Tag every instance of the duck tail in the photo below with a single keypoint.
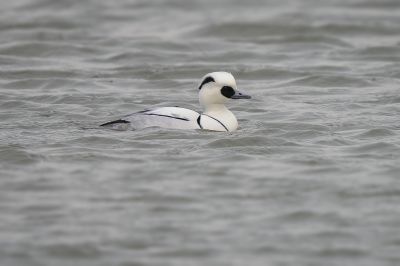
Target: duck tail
[{"x": 119, "y": 121}]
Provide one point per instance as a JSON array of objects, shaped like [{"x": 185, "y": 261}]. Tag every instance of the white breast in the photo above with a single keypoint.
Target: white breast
[{"x": 219, "y": 118}]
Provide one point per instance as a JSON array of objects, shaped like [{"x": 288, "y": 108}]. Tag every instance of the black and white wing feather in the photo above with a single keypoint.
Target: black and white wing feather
[{"x": 165, "y": 117}]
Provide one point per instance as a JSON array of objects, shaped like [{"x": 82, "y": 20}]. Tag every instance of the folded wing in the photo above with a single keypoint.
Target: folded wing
[{"x": 165, "y": 117}]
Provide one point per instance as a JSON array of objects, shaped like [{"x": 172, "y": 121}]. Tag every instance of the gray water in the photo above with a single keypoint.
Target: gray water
[{"x": 310, "y": 178}]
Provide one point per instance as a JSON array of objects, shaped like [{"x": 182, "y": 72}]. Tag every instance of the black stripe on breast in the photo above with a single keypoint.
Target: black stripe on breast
[
  {"x": 198, "y": 122},
  {"x": 218, "y": 122}
]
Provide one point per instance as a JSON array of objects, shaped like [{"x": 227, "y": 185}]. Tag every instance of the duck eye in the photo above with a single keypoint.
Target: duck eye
[
  {"x": 205, "y": 81},
  {"x": 227, "y": 91}
]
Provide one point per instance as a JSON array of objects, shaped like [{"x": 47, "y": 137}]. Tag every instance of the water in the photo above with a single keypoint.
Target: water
[{"x": 310, "y": 178}]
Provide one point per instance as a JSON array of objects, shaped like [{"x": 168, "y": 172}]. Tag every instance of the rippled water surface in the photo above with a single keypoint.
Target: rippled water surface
[{"x": 310, "y": 178}]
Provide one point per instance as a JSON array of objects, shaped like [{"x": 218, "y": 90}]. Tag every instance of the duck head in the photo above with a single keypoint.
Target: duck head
[{"x": 217, "y": 88}]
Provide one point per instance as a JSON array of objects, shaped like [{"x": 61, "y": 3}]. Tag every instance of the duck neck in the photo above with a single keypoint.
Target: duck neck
[{"x": 215, "y": 110}]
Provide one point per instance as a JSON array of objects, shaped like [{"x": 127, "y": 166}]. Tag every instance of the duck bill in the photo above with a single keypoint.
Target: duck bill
[{"x": 239, "y": 95}]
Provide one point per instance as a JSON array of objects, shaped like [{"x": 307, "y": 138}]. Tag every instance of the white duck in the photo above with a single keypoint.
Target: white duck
[{"x": 214, "y": 91}]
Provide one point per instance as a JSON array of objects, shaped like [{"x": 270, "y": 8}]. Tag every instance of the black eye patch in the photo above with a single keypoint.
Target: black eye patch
[
  {"x": 227, "y": 91},
  {"x": 205, "y": 81}
]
